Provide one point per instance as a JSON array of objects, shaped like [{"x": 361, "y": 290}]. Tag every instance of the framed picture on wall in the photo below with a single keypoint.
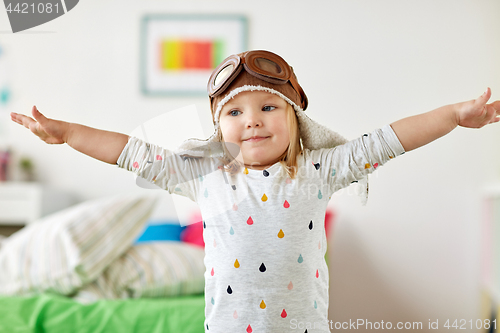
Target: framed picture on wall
[{"x": 179, "y": 52}]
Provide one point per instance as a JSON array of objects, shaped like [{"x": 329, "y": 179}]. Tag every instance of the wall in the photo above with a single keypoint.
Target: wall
[{"x": 411, "y": 254}]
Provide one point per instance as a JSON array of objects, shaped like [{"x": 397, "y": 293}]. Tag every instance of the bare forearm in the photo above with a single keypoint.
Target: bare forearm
[
  {"x": 103, "y": 145},
  {"x": 419, "y": 130}
]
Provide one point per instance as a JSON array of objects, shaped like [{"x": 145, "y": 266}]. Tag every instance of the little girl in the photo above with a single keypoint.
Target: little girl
[{"x": 263, "y": 206}]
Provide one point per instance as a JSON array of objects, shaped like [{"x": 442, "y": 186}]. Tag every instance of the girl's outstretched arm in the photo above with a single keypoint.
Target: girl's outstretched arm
[
  {"x": 103, "y": 145},
  {"x": 416, "y": 131}
]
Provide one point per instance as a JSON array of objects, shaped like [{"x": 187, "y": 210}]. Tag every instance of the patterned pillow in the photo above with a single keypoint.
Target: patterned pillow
[
  {"x": 155, "y": 269},
  {"x": 64, "y": 251}
]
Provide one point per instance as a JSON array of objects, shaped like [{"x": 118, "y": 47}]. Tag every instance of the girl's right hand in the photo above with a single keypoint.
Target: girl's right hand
[{"x": 49, "y": 130}]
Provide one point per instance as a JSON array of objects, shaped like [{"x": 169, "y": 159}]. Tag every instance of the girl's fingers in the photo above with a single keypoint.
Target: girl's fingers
[
  {"x": 27, "y": 121},
  {"x": 486, "y": 96},
  {"x": 14, "y": 118},
  {"x": 496, "y": 106},
  {"x": 38, "y": 115}
]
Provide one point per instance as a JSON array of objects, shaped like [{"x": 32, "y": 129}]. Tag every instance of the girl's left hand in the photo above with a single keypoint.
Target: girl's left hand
[{"x": 476, "y": 113}]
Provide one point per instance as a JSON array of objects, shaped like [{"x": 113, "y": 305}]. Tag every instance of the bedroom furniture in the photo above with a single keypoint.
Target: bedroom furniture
[{"x": 22, "y": 203}]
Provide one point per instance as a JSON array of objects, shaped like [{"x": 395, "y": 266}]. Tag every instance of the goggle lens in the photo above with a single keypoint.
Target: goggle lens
[
  {"x": 223, "y": 74},
  {"x": 267, "y": 65}
]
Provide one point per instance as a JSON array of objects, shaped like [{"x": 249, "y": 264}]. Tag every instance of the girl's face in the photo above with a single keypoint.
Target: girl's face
[{"x": 256, "y": 113}]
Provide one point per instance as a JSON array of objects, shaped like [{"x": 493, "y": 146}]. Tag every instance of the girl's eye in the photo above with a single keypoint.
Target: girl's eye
[
  {"x": 231, "y": 113},
  {"x": 268, "y": 108}
]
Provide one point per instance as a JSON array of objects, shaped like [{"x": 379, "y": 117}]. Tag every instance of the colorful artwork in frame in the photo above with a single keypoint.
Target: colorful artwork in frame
[{"x": 179, "y": 52}]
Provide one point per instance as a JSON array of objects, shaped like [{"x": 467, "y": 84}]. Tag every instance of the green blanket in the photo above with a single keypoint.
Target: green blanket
[{"x": 57, "y": 314}]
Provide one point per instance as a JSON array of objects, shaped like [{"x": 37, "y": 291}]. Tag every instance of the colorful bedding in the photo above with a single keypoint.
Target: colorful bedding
[{"x": 58, "y": 314}]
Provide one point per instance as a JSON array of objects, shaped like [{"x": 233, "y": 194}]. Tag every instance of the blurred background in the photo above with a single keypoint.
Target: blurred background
[{"x": 415, "y": 252}]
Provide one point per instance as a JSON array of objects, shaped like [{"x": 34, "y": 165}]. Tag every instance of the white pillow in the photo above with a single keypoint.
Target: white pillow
[
  {"x": 154, "y": 269},
  {"x": 64, "y": 251}
]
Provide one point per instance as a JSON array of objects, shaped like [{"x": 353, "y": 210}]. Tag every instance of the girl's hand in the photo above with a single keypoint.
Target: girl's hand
[
  {"x": 476, "y": 113},
  {"x": 49, "y": 130}
]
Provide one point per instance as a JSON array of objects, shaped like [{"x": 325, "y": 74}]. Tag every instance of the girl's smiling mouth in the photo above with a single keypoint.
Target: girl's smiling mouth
[{"x": 256, "y": 138}]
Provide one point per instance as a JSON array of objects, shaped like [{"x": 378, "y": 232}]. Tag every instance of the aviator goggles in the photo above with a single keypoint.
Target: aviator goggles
[{"x": 261, "y": 64}]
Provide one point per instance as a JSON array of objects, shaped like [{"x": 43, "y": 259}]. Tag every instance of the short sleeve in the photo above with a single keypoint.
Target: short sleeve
[
  {"x": 172, "y": 172},
  {"x": 350, "y": 162}
]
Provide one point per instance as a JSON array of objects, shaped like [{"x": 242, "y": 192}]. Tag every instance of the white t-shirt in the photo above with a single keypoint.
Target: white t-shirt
[{"x": 264, "y": 233}]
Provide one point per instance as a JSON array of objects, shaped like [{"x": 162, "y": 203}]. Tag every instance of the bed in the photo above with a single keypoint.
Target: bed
[
  {"x": 88, "y": 269},
  {"x": 54, "y": 313},
  {"x": 100, "y": 267}
]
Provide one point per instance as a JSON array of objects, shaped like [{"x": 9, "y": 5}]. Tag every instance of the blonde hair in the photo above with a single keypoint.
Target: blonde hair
[{"x": 288, "y": 159}]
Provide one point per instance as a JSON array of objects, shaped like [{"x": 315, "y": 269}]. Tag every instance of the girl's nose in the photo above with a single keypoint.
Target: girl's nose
[{"x": 254, "y": 119}]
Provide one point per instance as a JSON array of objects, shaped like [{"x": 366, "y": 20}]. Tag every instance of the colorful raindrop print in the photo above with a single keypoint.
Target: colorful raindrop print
[
  {"x": 212, "y": 272},
  {"x": 367, "y": 166},
  {"x": 286, "y": 204},
  {"x": 235, "y": 207},
  {"x": 135, "y": 165},
  {"x": 212, "y": 301},
  {"x": 236, "y": 264},
  {"x": 319, "y": 245},
  {"x": 229, "y": 290},
  {"x": 281, "y": 234},
  {"x": 290, "y": 286},
  {"x": 246, "y": 173},
  {"x": 231, "y": 231},
  {"x": 333, "y": 172},
  {"x": 265, "y": 173},
  {"x": 300, "y": 260},
  {"x": 315, "y": 305},
  {"x": 317, "y": 273},
  {"x": 320, "y": 196},
  {"x": 249, "y": 329},
  {"x": 375, "y": 165},
  {"x": 233, "y": 187},
  {"x": 235, "y": 315},
  {"x": 316, "y": 166},
  {"x": 200, "y": 177},
  {"x": 311, "y": 225},
  {"x": 262, "y": 305},
  {"x": 204, "y": 225},
  {"x": 206, "y": 193},
  {"x": 177, "y": 189},
  {"x": 264, "y": 197},
  {"x": 208, "y": 328},
  {"x": 283, "y": 314},
  {"x": 262, "y": 268},
  {"x": 288, "y": 181},
  {"x": 250, "y": 221},
  {"x": 158, "y": 158}
]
